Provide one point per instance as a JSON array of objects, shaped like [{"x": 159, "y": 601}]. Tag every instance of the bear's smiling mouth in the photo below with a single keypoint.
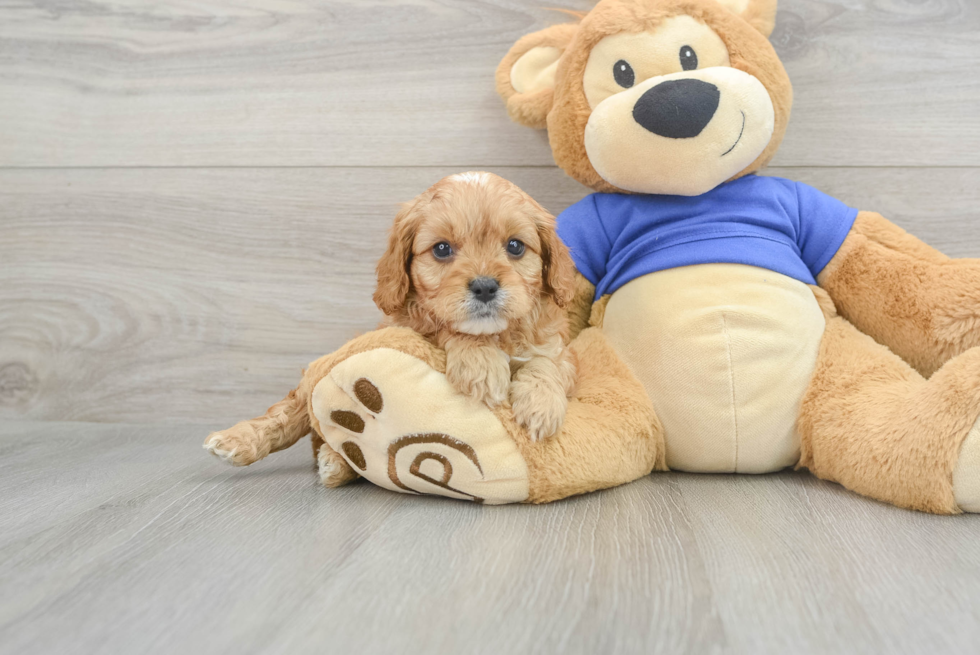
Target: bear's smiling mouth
[{"x": 741, "y": 132}]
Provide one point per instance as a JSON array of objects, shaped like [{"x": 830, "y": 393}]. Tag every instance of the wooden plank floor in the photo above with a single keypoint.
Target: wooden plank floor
[
  {"x": 122, "y": 539},
  {"x": 193, "y": 195}
]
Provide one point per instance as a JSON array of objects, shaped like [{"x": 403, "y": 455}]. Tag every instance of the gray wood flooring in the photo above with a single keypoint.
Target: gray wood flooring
[
  {"x": 121, "y": 538},
  {"x": 193, "y": 195}
]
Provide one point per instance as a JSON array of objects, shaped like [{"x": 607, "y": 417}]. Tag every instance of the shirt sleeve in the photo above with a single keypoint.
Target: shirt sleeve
[
  {"x": 824, "y": 224},
  {"x": 580, "y": 228}
]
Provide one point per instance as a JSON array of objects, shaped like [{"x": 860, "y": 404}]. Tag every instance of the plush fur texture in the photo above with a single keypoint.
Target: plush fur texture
[
  {"x": 531, "y": 108},
  {"x": 610, "y": 436},
  {"x": 760, "y": 14},
  {"x": 580, "y": 307},
  {"x": 872, "y": 423},
  {"x": 568, "y": 112},
  {"x": 920, "y": 303},
  {"x": 608, "y": 401},
  {"x": 474, "y": 217},
  {"x": 869, "y": 419},
  {"x": 895, "y": 389}
]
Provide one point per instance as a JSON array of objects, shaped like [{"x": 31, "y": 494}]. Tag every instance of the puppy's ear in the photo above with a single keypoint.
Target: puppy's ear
[
  {"x": 558, "y": 269},
  {"x": 526, "y": 76},
  {"x": 394, "y": 281}
]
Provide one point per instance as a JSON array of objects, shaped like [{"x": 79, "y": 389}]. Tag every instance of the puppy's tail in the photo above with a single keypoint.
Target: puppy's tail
[{"x": 280, "y": 427}]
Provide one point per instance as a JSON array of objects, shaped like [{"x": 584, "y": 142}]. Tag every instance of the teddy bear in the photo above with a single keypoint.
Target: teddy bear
[{"x": 723, "y": 321}]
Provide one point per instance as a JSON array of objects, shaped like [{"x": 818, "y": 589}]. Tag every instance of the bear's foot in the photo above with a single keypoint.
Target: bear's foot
[
  {"x": 966, "y": 474},
  {"x": 400, "y": 424}
]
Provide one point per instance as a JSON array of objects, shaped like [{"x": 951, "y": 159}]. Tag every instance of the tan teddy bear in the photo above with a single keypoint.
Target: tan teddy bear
[{"x": 739, "y": 323}]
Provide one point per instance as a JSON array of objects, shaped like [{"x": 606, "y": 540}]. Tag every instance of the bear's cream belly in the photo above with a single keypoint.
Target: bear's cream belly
[{"x": 725, "y": 352}]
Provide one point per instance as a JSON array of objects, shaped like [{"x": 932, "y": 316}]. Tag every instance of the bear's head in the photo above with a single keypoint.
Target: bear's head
[{"x": 654, "y": 96}]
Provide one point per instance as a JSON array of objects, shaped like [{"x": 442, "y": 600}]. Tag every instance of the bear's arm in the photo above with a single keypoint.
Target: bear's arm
[
  {"x": 580, "y": 308},
  {"x": 906, "y": 295},
  {"x": 586, "y": 233}
]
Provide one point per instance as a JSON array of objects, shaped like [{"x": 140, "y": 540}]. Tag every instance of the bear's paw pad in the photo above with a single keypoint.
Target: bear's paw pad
[{"x": 400, "y": 424}]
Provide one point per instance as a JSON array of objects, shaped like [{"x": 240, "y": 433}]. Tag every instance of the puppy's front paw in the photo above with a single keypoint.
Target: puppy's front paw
[
  {"x": 482, "y": 374},
  {"x": 538, "y": 407},
  {"x": 334, "y": 469},
  {"x": 236, "y": 445},
  {"x": 497, "y": 382}
]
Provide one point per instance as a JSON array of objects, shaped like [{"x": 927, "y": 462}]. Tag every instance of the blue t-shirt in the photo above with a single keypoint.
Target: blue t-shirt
[{"x": 769, "y": 222}]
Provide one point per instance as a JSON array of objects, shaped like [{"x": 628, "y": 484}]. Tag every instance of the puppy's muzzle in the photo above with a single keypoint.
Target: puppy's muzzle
[
  {"x": 484, "y": 289},
  {"x": 677, "y": 109}
]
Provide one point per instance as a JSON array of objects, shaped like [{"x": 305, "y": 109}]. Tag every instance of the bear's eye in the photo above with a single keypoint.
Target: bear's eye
[
  {"x": 623, "y": 74},
  {"x": 515, "y": 248},
  {"x": 442, "y": 250},
  {"x": 689, "y": 58}
]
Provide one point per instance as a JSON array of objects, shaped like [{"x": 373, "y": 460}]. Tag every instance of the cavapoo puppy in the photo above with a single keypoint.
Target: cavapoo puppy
[{"x": 475, "y": 265}]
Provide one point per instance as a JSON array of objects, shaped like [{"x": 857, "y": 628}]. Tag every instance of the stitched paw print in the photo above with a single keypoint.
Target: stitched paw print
[{"x": 401, "y": 425}]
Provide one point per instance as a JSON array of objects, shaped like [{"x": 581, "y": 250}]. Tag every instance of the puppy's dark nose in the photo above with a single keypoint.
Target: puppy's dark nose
[
  {"x": 484, "y": 289},
  {"x": 677, "y": 109}
]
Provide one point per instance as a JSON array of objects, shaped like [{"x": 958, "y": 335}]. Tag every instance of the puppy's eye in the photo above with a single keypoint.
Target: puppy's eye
[
  {"x": 689, "y": 58},
  {"x": 623, "y": 74},
  {"x": 442, "y": 250},
  {"x": 515, "y": 248}
]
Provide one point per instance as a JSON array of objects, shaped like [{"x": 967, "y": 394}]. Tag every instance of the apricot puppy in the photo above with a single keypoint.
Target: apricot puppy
[{"x": 474, "y": 264}]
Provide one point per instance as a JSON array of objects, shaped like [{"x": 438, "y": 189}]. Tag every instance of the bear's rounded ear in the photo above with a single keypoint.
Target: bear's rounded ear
[
  {"x": 526, "y": 76},
  {"x": 760, "y": 14}
]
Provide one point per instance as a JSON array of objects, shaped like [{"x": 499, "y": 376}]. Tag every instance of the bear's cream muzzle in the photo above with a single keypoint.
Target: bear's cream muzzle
[{"x": 680, "y": 134}]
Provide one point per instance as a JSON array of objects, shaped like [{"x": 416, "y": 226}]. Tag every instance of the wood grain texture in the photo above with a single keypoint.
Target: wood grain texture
[
  {"x": 410, "y": 82},
  {"x": 175, "y": 295},
  {"x": 127, "y": 539}
]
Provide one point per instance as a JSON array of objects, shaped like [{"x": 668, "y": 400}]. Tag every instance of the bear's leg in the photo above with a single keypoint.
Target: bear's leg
[
  {"x": 873, "y": 424},
  {"x": 912, "y": 298},
  {"x": 398, "y": 422},
  {"x": 611, "y": 434}
]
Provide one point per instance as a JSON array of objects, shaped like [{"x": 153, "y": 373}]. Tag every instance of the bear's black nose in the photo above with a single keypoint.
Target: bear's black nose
[
  {"x": 484, "y": 289},
  {"x": 677, "y": 109}
]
